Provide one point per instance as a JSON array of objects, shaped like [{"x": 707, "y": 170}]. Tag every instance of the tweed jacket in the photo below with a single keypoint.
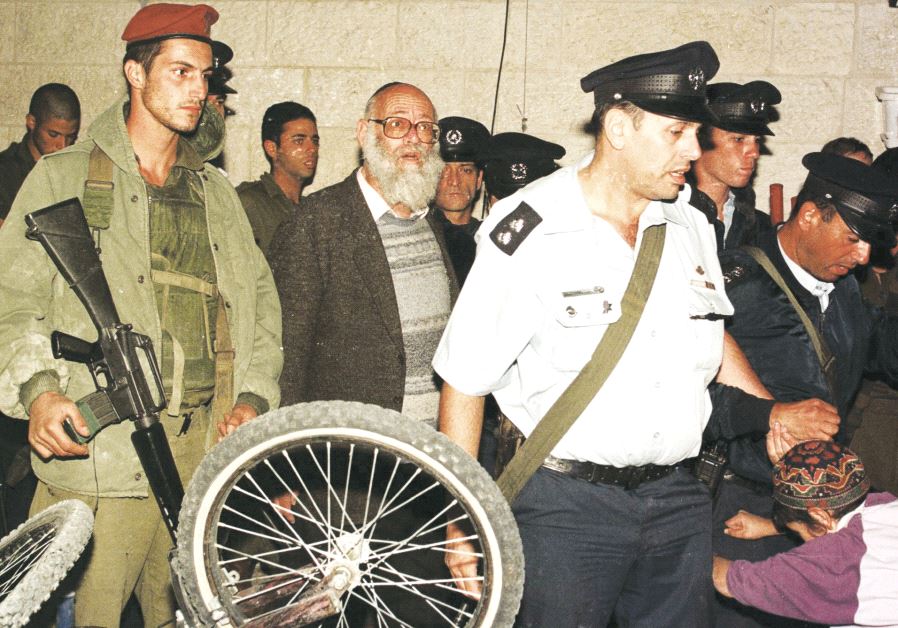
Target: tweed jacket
[{"x": 342, "y": 332}]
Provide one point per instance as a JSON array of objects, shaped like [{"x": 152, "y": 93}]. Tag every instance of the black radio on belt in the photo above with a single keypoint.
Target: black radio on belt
[{"x": 711, "y": 464}]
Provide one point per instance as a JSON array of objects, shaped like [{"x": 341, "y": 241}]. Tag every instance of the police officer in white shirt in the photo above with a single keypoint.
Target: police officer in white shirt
[{"x": 611, "y": 523}]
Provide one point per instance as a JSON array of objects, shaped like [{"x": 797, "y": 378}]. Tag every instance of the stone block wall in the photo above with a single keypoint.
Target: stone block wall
[{"x": 826, "y": 57}]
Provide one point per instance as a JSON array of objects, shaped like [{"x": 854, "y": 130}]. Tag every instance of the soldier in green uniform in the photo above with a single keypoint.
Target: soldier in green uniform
[
  {"x": 178, "y": 253},
  {"x": 290, "y": 142}
]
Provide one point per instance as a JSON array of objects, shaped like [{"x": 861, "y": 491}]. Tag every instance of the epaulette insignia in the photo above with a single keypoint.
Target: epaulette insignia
[{"x": 515, "y": 228}]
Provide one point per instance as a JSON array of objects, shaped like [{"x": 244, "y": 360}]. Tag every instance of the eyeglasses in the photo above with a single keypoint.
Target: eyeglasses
[{"x": 397, "y": 128}]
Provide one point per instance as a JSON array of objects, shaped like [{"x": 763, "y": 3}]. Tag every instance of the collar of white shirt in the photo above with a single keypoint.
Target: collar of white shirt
[
  {"x": 376, "y": 202},
  {"x": 579, "y": 216},
  {"x": 819, "y": 289}
]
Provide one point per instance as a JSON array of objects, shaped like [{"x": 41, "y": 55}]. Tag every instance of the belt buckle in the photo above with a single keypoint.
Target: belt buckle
[{"x": 635, "y": 477}]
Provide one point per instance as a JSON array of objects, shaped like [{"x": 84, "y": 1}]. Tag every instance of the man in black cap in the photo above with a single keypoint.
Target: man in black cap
[
  {"x": 843, "y": 208},
  {"x": 730, "y": 151},
  {"x": 517, "y": 159},
  {"x": 219, "y": 90},
  {"x": 290, "y": 141},
  {"x": 463, "y": 143},
  {"x": 218, "y": 79},
  {"x": 611, "y": 523}
]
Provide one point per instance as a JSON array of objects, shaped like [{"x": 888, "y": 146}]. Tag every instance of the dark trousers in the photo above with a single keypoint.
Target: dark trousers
[
  {"x": 17, "y": 481},
  {"x": 592, "y": 551}
]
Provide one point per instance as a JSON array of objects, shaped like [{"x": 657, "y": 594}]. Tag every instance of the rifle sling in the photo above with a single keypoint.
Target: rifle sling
[
  {"x": 824, "y": 355},
  {"x": 574, "y": 400},
  {"x": 98, "y": 188}
]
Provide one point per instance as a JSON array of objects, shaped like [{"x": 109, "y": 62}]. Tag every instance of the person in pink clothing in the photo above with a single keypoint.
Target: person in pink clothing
[{"x": 846, "y": 572}]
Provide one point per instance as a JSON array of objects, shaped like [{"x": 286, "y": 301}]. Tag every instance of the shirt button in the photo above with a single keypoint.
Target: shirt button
[
  {"x": 134, "y": 198},
  {"x": 138, "y": 477},
  {"x": 228, "y": 304},
  {"x": 205, "y": 177},
  {"x": 214, "y": 246},
  {"x": 656, "y": 435},
  {"x": 139, "y": 278}
]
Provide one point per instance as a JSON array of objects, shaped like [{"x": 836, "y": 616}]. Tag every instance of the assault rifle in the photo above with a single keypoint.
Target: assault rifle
[{"x": 116, "y": 359}]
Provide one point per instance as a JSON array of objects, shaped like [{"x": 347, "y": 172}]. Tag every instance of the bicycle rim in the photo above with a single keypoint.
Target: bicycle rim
[{"x": 373, "y": 493}]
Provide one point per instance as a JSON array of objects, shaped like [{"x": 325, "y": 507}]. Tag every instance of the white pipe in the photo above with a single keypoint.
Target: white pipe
[{"x": 889, "y": 98}]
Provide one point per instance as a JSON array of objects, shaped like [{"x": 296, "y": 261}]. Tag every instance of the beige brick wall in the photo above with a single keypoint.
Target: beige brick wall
[{"x": 826, "y": 57}]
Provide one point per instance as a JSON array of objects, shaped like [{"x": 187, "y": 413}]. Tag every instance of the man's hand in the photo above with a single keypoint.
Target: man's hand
[
  {"x": 779, "y": 441},
  {"x": 745, "y": 525},
  {"x": 461, "y": 558},
  {"x": 241, "y": 413},
  {"x": 45, "y": 432},
  {"x": 720, "y": 569},
  {"x": 807, "y": 420}
]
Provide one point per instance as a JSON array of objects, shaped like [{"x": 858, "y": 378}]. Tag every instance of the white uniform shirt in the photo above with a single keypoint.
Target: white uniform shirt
[{"x": 525, "y": 324}]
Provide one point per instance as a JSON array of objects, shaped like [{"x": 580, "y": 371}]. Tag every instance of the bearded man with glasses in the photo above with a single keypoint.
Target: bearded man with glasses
[
  {"x": 366, "y": 287},
  {"x": 363, "y": 271}
]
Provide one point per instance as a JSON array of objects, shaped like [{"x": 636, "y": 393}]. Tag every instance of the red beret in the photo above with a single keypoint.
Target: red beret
[{"x": 167, "y": 21}]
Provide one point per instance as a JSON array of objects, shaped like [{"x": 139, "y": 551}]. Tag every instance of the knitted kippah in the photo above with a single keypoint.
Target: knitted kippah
[{"x": 819, "y": 473}]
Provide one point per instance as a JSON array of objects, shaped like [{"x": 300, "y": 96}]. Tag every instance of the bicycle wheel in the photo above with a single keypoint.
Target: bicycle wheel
[
  {"x": 35, "y": 556},
  {"x": 370, "y": 494}
]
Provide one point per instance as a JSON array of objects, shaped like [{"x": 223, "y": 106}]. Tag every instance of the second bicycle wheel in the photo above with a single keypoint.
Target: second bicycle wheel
[{"x": 335, "y": 514}]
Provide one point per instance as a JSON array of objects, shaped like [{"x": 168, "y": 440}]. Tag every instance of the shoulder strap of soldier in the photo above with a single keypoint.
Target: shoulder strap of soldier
[
  {"x": 573, "y": 401},
  {"x": 98, "y": 201},
  {"x": 824, "y": 355}
]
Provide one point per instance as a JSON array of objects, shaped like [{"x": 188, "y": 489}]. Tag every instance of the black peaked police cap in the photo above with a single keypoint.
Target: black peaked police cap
[
  {"x": 864, "y": 196},
  {"x": 516, "y": 159},
  {"x": 463, "y": 139},
  {"x": 744, "y": 108},
  {"x": 668, "y": 83}
]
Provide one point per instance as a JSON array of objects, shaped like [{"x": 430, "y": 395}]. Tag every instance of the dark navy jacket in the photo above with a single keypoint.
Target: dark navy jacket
[{"x": 773, "y": 338}]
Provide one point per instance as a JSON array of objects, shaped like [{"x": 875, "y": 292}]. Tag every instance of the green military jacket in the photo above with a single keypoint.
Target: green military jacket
[
  {"x": 35, "y": 300},
  {"x": 266, "y": 207}
]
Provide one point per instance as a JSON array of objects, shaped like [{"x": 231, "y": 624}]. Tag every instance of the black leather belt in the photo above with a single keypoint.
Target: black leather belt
[{"x": 626, "y": 477}]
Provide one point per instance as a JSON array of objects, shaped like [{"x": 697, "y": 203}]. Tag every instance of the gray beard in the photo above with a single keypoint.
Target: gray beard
[{"x": 412, "y": 187}]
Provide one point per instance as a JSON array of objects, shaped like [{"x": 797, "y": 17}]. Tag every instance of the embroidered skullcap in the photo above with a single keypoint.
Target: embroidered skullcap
[{"x": 820, "y": 474}]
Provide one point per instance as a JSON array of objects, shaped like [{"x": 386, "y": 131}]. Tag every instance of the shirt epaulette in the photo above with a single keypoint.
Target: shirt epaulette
[{"x": 514, "y": 228}]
